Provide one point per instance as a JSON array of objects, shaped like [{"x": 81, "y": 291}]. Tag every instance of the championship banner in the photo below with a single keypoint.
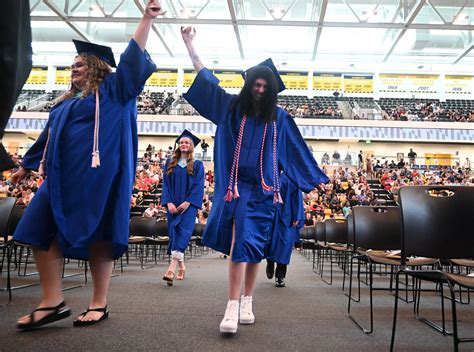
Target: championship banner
[
  {"x": 358, "y": 83},
  {"x": 189, "y": 76},
  {"x": 423, "y": 83},
  {"x": 295, "y": 80},
  {"x": 163, "y": 78},
  {"x": 63, "y": 75},
  {"x": 458, "y": 84},
  {"x": 392, "y": 83},
  {"x": 327, "y": 81},
  {"x": 229, "y": 79},
  {"x": 38, "y": 75}
]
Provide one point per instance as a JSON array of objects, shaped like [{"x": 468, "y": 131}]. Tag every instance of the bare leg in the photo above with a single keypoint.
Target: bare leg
[
  {"x": 236, "y": 273},
  {"x": 101, "y": 263},
  {"x": 251, "y": 272},
  {"x": 49, "y": 264},
  {"x": 173, "y": 265}
]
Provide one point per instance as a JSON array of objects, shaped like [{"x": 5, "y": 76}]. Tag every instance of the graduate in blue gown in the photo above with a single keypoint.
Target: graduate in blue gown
[
  {"x": 183, "y": 191},
  {"x": 254, "y": 140},
  {"x": 288, "y": 221},
  {"x": 88, "y": 152}
]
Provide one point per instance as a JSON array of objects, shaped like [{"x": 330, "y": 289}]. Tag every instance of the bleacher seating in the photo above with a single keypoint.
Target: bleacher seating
[
  {"x": 304, "y": 107},
  {"x": 403, "y": 109}
]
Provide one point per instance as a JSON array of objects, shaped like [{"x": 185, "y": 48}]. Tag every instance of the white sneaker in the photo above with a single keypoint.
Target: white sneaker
[
  {"x": 246, "y": 314},
  {"x": 231, "y": 317}
]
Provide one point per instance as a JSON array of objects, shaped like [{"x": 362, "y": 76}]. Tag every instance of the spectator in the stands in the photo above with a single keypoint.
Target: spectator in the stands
[
  {"x": 411, "y": 157},
  {"x": 336, "y": 157},
  {"x": 151, "y": 211},
  {"x": 401, "y": 163}
]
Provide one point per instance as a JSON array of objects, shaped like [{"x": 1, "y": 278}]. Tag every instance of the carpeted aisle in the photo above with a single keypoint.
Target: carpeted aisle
[{"x": 146, "y": 315}]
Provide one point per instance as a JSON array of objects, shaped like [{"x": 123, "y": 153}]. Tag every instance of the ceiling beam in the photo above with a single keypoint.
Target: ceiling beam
[
  {"x": 460, "y": 11},
  {"x": 34, "y": 6},
  {"x": 67, "y": 20},
  {"x": 233, "y": 16},
  {"x": 352, "y": 10},
  {"x": 154, "y": 28},
  {"x": 245, "y": 22},
  {"x": 322, "y": 14},
  {"x": 406, "y": 26},
  {"x": 437, "y": 12},
  {"x": 464, "y": 53}
]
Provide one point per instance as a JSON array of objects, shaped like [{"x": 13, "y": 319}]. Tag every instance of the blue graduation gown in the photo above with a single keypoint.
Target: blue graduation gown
[
  {"x": 254, "y": 211},
  {"x": 89, "y": 204},
  {"x": 284, "y": 234},
  {"x": 178, "y": 188}
]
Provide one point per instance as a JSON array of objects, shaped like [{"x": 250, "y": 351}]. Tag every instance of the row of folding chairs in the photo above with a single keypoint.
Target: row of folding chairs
[
  {"x": 149, "y": 239},
  {"x": 428, "y": 238}
]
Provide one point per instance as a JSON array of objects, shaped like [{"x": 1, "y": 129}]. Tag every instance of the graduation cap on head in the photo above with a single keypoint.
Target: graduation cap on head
[
  {"x": 269, "y": 63},
  {"x": 189, "y": 135},
  {"x": 102, "y": 52}
]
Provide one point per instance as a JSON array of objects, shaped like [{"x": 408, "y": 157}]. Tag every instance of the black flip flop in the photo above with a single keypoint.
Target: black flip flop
[
  {"x": 78, "y": 323},
  {"x": 59, "y": 312}
]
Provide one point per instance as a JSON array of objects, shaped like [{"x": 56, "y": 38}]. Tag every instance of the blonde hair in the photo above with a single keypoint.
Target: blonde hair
[
  {"x": 98, "y": 69},
  {"x": 175, "y": 159}
]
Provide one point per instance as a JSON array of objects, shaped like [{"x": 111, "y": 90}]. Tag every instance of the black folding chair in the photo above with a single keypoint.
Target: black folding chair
[
  {"x": 6, "y": 208},
  {"x": 375, "y": 230},
  {"x": 336, "y": 242},
  {"x": 436, "y": 222}
]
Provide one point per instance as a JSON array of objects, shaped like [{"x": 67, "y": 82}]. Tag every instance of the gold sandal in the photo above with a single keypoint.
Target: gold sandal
[
  {"x": 180, "y": 275},
  {"x": 169, "y": 277}
]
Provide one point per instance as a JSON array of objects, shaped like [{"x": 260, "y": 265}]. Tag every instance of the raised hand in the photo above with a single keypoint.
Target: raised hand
[
  {"x": 188, "y": 33},
  {"x": 153, "y": 9}
]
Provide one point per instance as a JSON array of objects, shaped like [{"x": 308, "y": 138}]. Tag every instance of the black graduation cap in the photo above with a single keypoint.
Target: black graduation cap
[
  {"x": 189, "y": 135},
  {"x": 102, "y": 52},
  {"x": 269, "y": 63}
]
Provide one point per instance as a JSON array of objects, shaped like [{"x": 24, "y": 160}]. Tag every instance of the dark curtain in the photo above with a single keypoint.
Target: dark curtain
[{"x": 15, "y": 62}]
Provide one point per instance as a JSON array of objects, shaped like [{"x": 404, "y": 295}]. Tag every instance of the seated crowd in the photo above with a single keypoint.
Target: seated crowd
[
  {"x": 336, "y": 198},
  {"x": 394, "y": 176},
  {"x": 161, "y": 103},
  {"x": 346, "y": 189},
  {"x": 308, "y": 111},
  {"x": 430, "y": 110}
]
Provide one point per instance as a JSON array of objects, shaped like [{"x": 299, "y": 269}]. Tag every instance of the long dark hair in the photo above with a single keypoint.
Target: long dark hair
[{"x": 264, "y": 110}]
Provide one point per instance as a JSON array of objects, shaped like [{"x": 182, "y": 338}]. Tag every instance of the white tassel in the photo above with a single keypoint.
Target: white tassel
[{"x": 95, "y": 159}]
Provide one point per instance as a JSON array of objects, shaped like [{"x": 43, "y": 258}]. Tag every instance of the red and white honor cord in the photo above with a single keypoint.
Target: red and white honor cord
[
  {"x": 95, "y": 147},
  {"x": 232, "y": 189}
]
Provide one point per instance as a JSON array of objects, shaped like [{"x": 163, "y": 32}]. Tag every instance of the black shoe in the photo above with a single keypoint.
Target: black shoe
[
  {"x": 279, "y": 282},
  {"x": 57, "y": 313},
  {"x": 105, "y": 315},
  {"x": 270, "y": 269}
]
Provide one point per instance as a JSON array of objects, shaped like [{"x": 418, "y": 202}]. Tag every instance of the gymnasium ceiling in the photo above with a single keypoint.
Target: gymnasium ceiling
[{"x": 295, "y": 33}]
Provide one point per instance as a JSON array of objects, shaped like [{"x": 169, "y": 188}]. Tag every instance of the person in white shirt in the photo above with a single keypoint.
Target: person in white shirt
[{"x": 151, "y": 211}]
